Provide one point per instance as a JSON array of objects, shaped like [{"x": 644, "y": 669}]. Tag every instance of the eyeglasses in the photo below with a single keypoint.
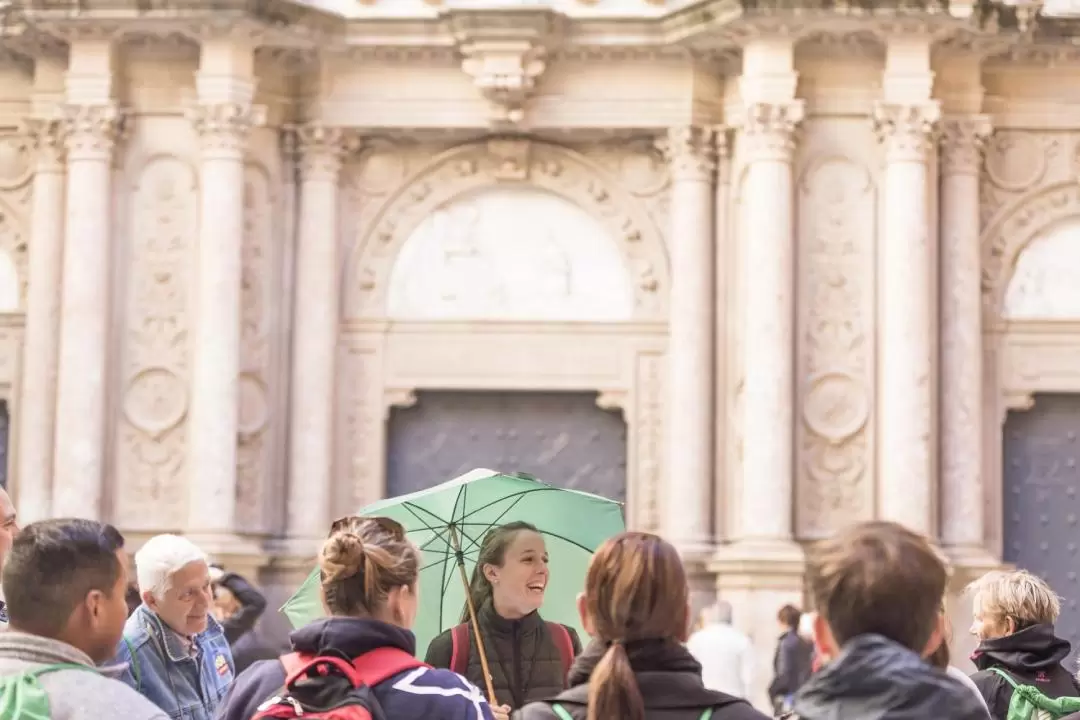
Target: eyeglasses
[{"x": 388, "y": 525}]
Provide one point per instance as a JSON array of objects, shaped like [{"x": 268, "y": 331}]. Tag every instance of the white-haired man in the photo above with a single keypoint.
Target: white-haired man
[
  {"x": 176, "y": 652},
  {"x": 726, "y": 654}
]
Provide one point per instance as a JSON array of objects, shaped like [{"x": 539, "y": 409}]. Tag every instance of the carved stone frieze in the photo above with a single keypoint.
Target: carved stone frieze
[
  {"x": 691, "y": 152},
  {"x": 224, "y": 127},
  {"x": 469, "y": 168},
  {"x": 152, "y": 428},
  {"x": 768, "y": 130},
  {"x": 836, "y": 348},
  {"x": 907, "y": 131},
  {"x": 962, "y": 141}
]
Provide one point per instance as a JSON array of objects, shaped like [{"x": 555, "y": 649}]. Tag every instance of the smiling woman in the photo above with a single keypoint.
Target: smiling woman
[{"x": 528, "y": 658}]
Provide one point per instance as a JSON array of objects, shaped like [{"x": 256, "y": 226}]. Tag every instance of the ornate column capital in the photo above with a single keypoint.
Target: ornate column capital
[
  {"x": 908, "y": 131},
  {"x": 321, "y": 150},
  {"x": 963, "y": 138},
  {"x": 47, "y": 136},
  {"x": 769, "y": 130},
  {"x": 223, "y": 127},
  {"x": 91, "y": 132},
  {"x": 691, "y": 152}
]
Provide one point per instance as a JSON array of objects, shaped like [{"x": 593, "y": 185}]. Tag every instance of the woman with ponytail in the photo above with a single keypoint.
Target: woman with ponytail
[
  {"x": 636, "y": 605},
  {"x": 528, "y": 658}
]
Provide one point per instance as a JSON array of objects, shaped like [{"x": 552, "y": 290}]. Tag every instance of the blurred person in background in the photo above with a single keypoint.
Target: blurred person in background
[
  {"x": 725, "y": 653},
  {"x": 793, "y": 661},
  {"x": 238, "y": 605}
]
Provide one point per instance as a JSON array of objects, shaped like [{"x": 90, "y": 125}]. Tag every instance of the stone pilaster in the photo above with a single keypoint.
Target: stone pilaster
[
  {"x": 963, "y": 525},
  {"x": 691, "y": 153},
  {"x": 311, "y": 438},
  {"x": 37, "y": 425},
  {"x": 223, "y": 127},
  {"x": 765, "y": 501},
  {"x": 906, "y": 409},
  {"x": 92, "y": 134}
]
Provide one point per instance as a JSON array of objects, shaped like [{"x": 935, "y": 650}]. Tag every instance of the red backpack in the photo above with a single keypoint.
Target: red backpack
[
  {"x": 330, "y": 688},
  {"x": 461, "y": 639}
]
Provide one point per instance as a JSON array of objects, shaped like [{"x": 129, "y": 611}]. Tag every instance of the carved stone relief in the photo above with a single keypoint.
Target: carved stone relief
[
  {"x": 151, "y": 487},
  {"x": 16, "y": 174},
  {"x": 511, "y": 253},
  {"x": 361, "y": 426},
  {"x": 254, "y": 451},
  {"x": 1043, "y": 285},
  {"x": 836, "y": 348},
  {"x": 647, "y": 436},
  {"x": 468, "y": 169}
]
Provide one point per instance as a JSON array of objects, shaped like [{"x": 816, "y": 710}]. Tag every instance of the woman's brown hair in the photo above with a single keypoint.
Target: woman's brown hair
[
  {"x": 361, "y": 561},
  {"x": 635, "y": 590},
  {"x": 492, "y": 552}
]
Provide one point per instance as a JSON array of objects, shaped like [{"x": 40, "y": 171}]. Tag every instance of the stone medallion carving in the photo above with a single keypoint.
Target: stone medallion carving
[
  {"x": 156, "y": 401},
  {"x": 469, "y": 169},
  {"x": 1015, "y": 161},
  {"x": 836, "y": 406},
  {"x": 254, "y": 411},
  {"x": 16, "y": 161},
  {"x": 1013, "y": 230},
  {"x": 380, "y": 167}
]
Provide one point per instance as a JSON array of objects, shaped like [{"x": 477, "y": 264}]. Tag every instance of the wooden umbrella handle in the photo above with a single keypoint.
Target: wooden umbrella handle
[{"x": 472, "y": 615}]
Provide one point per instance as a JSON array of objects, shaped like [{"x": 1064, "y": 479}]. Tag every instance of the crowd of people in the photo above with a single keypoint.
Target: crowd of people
[{"x": 78, "y": 647}]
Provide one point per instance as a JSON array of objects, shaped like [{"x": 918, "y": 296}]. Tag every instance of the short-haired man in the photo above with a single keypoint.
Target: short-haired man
[
  {"x": 176, "y": 652},
  {"x": 877, "y": 588},
  {"x": 65, "y": 582},
  {"x": 1014, "y": 616}
]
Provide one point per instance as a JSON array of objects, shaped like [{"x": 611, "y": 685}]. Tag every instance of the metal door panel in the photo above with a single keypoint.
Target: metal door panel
[
  {"x": 1041, "y": 506},
  {"x": 561, "y": 438}
]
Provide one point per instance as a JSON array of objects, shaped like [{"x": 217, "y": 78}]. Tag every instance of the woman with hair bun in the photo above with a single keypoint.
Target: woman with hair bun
[
  {"x": 636, "y": 605},
  {"x": 369, "y": 572}
]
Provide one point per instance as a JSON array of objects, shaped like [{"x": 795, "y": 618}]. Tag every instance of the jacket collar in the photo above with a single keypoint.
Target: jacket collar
[
  {"x": 38, "y": 649},
  {"x": 351, "y": 637},
  {"x": 175, "y": 648},
  {"x": 493, "y": 621}
]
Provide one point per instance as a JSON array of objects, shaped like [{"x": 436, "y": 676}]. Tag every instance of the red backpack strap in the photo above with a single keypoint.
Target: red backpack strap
[
  {"x": 297, "y": 665},
  {"x": 561, "y": 636},
  {"x": 383, "y": 663},
  {"x": 459, "y": 655},
  {"x": 293, "y": 663}
]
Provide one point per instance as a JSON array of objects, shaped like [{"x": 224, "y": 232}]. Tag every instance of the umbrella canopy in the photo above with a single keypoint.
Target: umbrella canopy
[{"x": 573, "y": 524}]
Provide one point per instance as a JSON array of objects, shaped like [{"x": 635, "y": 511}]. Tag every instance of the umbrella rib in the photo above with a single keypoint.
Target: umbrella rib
[
  {"x": 557, "y": 536},
  {"x": 517, "y": 498}
]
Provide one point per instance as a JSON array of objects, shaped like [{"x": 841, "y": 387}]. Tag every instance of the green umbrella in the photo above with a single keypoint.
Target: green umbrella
[{"x": 458, "y": 513}]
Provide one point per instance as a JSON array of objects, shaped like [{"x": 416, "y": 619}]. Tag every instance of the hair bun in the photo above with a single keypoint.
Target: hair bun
[{"x": 342, "y": 556}]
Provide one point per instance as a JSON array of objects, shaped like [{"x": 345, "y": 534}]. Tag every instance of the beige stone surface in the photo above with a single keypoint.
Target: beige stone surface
[{"x": 826, "y": 255}]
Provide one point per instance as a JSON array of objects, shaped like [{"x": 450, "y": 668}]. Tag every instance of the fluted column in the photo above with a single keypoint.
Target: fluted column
[
  {"x": 906, "y": 387},
  {"x": 84, "y": 326},
  {"x": 963, "y": 523},
  {"x": 315, "y": 335},
  {"x": 768, "y": 138},
  {"x": 223, "y": 129},
  {"x": 41, "y": 339}
]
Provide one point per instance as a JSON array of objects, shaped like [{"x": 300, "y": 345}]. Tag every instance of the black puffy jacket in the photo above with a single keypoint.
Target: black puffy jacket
[{"x": 1032, "y": 656}]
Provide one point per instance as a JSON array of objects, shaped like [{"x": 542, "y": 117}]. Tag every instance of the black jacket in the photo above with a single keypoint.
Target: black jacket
[
  {"x": 874, "y": 678},
  {"x": 252, "y": 606},
  {"x": 523, "y": 658},
  {"x": 791, "y": 664},
  {"x": 668, "y": 677},
  {"x": 1032, "y": 656},
  {"x": 423, "y": 694}
]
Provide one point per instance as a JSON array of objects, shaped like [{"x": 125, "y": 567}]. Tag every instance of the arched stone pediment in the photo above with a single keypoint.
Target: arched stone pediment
[
  {"x": 466, "y": 172},
  {"x": 1011, "y": 232}
]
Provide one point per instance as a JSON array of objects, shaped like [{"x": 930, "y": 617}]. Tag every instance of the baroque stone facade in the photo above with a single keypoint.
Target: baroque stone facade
[{"x": 813, "y": 260}]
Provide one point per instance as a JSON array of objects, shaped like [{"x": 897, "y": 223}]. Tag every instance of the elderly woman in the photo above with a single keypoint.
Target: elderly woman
[
  {"x": 1014, "y": 615},
  {"x": 176, "y": 652}
]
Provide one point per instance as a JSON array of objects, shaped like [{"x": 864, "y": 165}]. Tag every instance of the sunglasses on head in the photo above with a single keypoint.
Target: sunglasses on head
[{"x": 388, "y": 525}]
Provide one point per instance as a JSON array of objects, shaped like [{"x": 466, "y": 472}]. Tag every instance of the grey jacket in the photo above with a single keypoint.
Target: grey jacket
[{"x": 73, "y": 694}]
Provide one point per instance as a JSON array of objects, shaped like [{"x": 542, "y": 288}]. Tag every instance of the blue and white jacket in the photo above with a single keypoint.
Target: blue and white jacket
[{"x": 417, "y": 694}]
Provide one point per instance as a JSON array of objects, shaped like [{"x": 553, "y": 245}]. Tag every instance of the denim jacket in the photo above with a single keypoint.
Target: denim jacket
[{"x": 186, "y": 685}]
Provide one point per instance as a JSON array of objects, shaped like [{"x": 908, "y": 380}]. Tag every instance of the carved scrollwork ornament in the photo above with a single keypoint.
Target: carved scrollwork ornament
[
  {"x": 48, "y": 136},
  {"x": 322, "y": 150},
  {"x": 909, "y": 131},
  {"x": 505, "y": 73},
  {"x": 769, "y": 130},
  {"x": 92, "y": 131},
  {"x": 224, "y": 127},
  {"x": 691, "y": 152},
  {"x": 963, "y": 139}
]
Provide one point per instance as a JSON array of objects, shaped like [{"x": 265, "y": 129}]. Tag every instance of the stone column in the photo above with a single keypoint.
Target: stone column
[
  {"x": 315, "y": 330},
  {"x": 223, "y": 127},
  {"x": 691, "y": 152},
  {"x": 765, "y": 500},
  {"x": 84, "y": 326},
  {"x": 41, "y": 339},
  {"x": 906, "y": 358},
  {"x": 962, "y": 501}
]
